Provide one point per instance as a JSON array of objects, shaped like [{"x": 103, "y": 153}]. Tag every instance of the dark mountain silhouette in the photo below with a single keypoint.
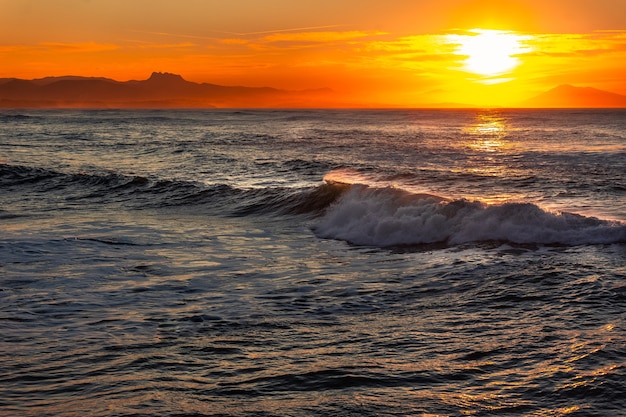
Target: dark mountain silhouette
[
  {"x": 565, "y": 96},
  {"x": 172, "y": 90},
  {"x": 160, "y": 90}
]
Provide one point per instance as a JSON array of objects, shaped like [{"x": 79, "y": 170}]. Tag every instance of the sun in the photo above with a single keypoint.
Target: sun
[{"x": 489, "y": 53}]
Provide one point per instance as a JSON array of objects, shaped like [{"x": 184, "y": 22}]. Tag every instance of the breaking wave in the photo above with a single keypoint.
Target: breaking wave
[
  {"x": 390, "y": 216},
  {"x": 372, "y": 215}
]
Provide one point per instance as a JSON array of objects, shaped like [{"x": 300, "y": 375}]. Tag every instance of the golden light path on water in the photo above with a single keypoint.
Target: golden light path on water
[
  {"x": 485, "y": 142},
  {"x": 489, "y": 132}
]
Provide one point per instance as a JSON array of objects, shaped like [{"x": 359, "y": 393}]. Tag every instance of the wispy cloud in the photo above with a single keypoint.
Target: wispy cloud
[
  {"x": 596, "y": 43},
  {"x": 301, "y": 29},
  {"x": 220, "y": 35},
  {"x": 318, "y": 37},
  {"x": 78, "y": 47}
]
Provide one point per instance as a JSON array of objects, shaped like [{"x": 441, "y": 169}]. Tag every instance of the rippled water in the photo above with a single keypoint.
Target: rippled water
[{"x": 297, "y": 263}]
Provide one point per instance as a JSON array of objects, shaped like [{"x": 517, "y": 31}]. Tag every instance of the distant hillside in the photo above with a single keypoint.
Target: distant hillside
[
  {"x": 565, "y": 96},
  {"x": 160, "y": 90}
]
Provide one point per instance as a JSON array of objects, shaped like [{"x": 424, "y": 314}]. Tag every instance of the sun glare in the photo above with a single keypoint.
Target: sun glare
[{"x": 489, "y": 53}]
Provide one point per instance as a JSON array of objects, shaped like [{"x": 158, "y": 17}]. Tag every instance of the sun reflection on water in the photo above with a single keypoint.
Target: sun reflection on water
[
  {"x": 487, "y": 143},
  {"x": 488, "y": 133}
]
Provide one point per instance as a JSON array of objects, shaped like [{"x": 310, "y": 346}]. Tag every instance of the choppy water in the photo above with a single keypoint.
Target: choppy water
[{"x": 302, "y": 263}]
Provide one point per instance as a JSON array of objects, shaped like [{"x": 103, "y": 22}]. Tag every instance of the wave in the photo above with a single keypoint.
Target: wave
[
  {"x": 15, "y": 117},
  {"x": 389, "y": 216},
  {"x": 138, "y": 192},
  {"x": 347, "y": 206}
]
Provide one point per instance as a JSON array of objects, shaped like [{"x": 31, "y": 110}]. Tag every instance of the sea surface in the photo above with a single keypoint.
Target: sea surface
[{"x": 313, "y": 263}]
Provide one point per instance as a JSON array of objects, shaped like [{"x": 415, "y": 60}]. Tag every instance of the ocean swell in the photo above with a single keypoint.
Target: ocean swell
[
  {"x": 390, "y": 216},
  {"x": 53, "y": 190}
]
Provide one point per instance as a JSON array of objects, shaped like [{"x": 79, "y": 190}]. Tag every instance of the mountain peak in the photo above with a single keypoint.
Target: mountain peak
[
  {"x": 565, "y": 87},
  {"x": 571, "y": 89},
  {"x": 166, "y": 77},
  {"x": 566, "y": 95}
]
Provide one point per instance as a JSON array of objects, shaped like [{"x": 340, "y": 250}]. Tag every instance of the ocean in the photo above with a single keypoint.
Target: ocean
[{"x": 313, "y": 262}]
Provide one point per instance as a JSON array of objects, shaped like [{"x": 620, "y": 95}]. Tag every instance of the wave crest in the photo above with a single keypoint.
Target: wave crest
[{"x": 392, "y": 217}]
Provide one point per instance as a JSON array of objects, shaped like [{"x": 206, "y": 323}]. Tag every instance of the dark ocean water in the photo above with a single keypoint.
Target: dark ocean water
[{"x": 313, "y": 263}]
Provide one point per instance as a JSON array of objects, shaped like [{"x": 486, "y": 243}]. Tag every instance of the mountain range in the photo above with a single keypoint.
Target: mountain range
[
  {"x": 164, "y": 90},
  {"x": 160, "y": 90}
]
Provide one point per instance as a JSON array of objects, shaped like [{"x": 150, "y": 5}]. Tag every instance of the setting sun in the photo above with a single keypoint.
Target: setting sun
[{"x": 490, "y": 53}]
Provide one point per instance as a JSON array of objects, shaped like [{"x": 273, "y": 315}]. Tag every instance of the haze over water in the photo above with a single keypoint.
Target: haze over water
[{"x": 297, "y": 263}]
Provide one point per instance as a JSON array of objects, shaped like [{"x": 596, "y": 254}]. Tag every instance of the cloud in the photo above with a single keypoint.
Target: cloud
[
  {"x": 234, "y": 41},
  {"x": 56, "y": 48},
  {"x": 287, "y": 41},
  {"x": 592, "y": 44},
  {"x": 149, "y": 45},
  {"x": 321, "y": 37},
  {"x": 78, "y": 47}
]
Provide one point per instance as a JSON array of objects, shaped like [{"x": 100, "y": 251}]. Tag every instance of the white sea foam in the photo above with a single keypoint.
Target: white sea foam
[{"x": 390, "y": 216}]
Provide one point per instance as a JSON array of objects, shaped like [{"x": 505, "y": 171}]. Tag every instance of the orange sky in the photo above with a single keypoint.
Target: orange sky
[{"x": 371, "y": 52}]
